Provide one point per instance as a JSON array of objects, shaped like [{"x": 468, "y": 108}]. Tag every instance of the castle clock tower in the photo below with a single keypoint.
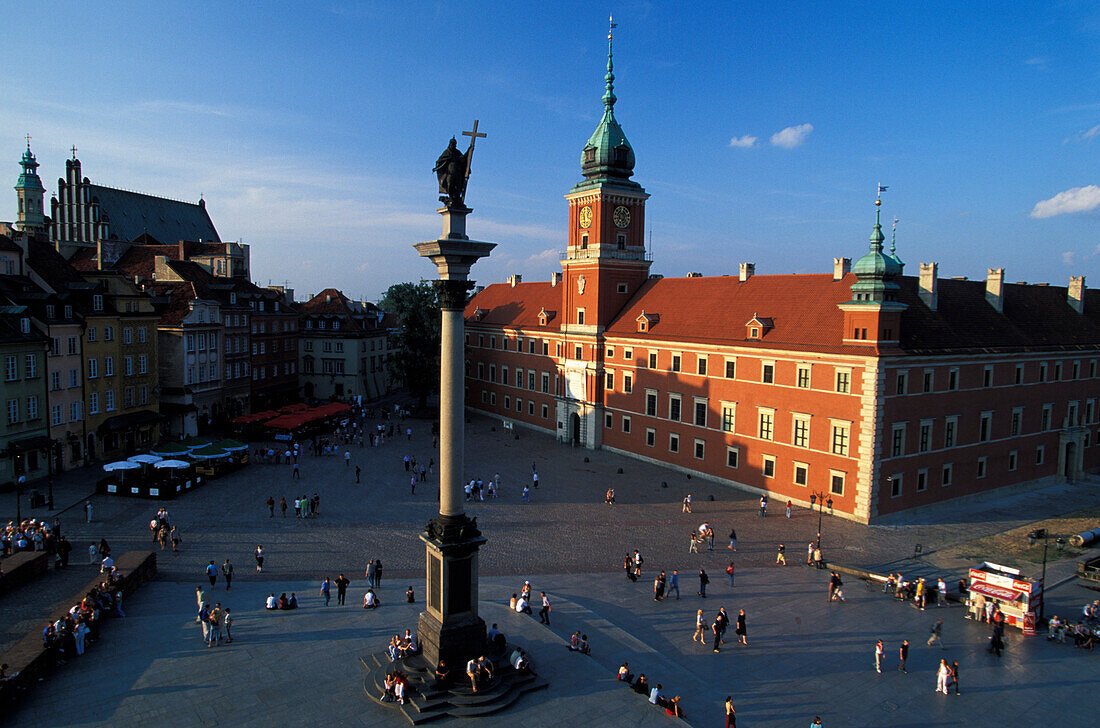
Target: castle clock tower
[
  {"x": 605, "y": 264},
  {"x": 605, "y": 260}
]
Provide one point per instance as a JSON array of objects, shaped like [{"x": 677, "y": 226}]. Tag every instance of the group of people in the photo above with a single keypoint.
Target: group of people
[
  {"x": 1085, "y": 632},
  {"x": 67, "y": 637},
  {"x": 522, "y": 603},
  {"x": 35, "y": 535},
  {"x": 718, "y": 628},
  {"x": 282, "y": 602},
  {"x": 401, "y": 646},
  {"x": 477, "y": 488},
  {"x": 918, "y": 591},
  {"x": 163, "y": 532},
  {"x": 653, "y": 693},
  {"x": 304, "y": 507}
]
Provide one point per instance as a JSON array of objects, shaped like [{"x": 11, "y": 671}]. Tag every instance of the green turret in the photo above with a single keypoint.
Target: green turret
[
  {"x": 876, "y": 271},
  {"x": 30, "y": 192}
]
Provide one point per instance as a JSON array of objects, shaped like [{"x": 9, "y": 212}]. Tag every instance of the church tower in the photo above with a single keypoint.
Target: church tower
[
  {"x": 31, "y": 193},
  {"x": 605, "y": 261}
]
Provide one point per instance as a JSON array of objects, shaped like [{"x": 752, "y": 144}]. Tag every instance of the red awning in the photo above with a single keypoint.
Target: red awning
[{"x": 997, "y": 592}]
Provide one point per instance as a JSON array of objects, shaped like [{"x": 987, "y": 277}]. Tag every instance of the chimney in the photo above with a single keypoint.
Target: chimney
[
  {"x": 514, "y": 279},
  {"x": 555, "y": 278},
  {"x": 98, "y": 254},
  {"x": 1076, "y": 293},
  {"x": 930, "y": 284},
  {"x": 747, "y": 269},
  {"x": 182, "y": 255},
  {"x": 994, "y": 288},
  {"x": 841, "y": 266}
]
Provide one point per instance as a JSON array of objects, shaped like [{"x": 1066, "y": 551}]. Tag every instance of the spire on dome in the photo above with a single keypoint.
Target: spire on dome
[
  {"x": 875, "y": 272},
  {"x": 608, "y": 156}
]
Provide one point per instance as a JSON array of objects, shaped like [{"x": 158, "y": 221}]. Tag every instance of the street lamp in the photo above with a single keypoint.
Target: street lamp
[
  {"x": 820, "y": 499},
  {"x": 1032, "y": 537}
]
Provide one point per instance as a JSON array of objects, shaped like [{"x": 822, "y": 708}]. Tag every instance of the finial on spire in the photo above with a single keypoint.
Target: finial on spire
[
  {"x": 28, "y": 137},
  {"x": 609, "y": 95},
  {"x": 73, "y": 150}
]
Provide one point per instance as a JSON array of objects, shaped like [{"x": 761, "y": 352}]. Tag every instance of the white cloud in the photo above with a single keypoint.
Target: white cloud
[
  {"x": 1037, "y": 62},
  {"x": 792, "y": 136},
  {"x": 1077, "y": 199},
  {"x": 1068, "y": 257},
  {"x": 1091, "y": 134},
  {"x": 743, "y": 141}
]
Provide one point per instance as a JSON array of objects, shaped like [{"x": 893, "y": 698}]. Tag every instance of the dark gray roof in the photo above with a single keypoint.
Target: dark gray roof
[{"x": 132, "y": 214}]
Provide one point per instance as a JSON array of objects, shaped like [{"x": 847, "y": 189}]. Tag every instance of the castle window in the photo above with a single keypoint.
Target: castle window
[
  {"x": 584, "y": 241},
  {"x": 620, "y": 241}
]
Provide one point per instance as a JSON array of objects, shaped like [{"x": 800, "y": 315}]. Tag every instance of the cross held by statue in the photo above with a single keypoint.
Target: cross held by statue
[{"x": 473, "y": 140}]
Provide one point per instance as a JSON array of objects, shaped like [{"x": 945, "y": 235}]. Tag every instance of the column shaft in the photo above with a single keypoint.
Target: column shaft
[{"x": 452, "y": 413}]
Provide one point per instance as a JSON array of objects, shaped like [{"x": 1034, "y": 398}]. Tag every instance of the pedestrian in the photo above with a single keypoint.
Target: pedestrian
[
  {"x": 227, "y": 572},
  {"x": 780, "y": 558},
  {"x": 212, "y": 572},
  {"x": 347, "y": 458},
  {"x": 880, "y": 653},
  {"x": 228, "y": 621},
  {"x": 742, "y": 630},
  {"x": 526, "y": 494},
  {"x": 271, "y": 506},
  {"x": 88, "y": 510},
  {"x": 816, "y": 722},
  {"x": 200, "y": 600},
  {"x": 341, "y": 588},
  {"x": 936, "y": 635},
  {"x": 810, "y": 554},
  {"x": 175, "y": 535},
  {"x": 410, "y": 596},
  {"x": 703, "y": 581},
  {"x": 763, "y": 506},
  {"x": 819, "y": 562},
  {"x": 942, "y": 673},
  {"x": 730, "y": 573},
  {"x": 295, "y": 473},
  {"x": 674, "y": 584},
  {"x": 700, "y": 627},
  {"x": 412, "y": 485},
  {"x": 719, "y": 628},
  {"x": 259, "y": 554},
  {"x": 378, "y": 573},
  {"x": 358, "y": 470},
  {"x": 789, "y": 504},
  {"x": 941, "y": 593},
  {"x": 544, "y": 613},
  {"x": 687, "y": 504},
  {"x": 955, "y": 675},
  {"x": 372, "y": 573},
  {"x": 903, "y": 655},
  {"x": 326, "y": 590},
  {"x": 733, "y": 539},
  {"x": 282, "y": 505},
  {"x": 731, "y": 714},
  {"x": 297, "y": 508},
  {"x": 535, "y": 478}
]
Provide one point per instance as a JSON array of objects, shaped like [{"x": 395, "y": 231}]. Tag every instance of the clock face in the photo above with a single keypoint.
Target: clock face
[
  {"x": 586, "y": 216},
  {"x": 621, "y": 217}
]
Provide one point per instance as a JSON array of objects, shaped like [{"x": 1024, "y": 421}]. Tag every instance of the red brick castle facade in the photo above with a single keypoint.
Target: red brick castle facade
[{"x": 876, "y": 390}]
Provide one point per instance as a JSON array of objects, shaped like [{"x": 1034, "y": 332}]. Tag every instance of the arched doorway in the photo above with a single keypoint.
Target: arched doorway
[{"x": 575, "y": 428}]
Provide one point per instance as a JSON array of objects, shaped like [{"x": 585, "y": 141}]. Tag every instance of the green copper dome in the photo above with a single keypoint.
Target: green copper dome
[
  {"x": 607, "y": 156},
  {"x": 29, "y": 179},
  {"x": 876, "y": 271}
]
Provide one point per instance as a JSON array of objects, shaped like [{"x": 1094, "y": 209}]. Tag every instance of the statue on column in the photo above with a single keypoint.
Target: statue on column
[{"x": 451, "y": 168}]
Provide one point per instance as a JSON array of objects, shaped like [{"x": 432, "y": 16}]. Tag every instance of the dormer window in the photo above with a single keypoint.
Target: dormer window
[
  {"x": 545, "y": 316},
  {"x": 758, "y": 326},
  {"x": 646, "y": 321},
  {"x": 590, "y": 154},
  {"x": 97, "y": 302},
  {"x": 25, "y": 325}
]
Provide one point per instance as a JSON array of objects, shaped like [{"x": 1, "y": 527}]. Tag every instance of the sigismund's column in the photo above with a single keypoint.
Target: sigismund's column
[{"x": 449, "y": 628}]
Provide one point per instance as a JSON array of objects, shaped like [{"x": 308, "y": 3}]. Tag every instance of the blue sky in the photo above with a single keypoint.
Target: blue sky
[{"x": 760, "y": 128}]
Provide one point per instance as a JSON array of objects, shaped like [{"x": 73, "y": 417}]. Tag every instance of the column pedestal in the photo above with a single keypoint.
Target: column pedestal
[{"x": 450, "y": 628}]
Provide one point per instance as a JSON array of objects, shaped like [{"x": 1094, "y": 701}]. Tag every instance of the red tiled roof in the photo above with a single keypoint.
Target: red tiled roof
[
  {"x": 802, "y": 308},
  {"x": 516, "y": 307}
]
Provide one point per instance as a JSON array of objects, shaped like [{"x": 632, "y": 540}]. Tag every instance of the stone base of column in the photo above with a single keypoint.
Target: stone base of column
[{"x": 450, "y": 628}]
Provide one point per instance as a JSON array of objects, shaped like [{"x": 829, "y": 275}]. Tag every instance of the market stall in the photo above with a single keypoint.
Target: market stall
[{"x": 1016, "y": 596}]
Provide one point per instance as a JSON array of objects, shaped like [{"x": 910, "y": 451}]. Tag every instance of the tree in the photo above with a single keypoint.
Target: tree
[{"x": 414, "y": 358}]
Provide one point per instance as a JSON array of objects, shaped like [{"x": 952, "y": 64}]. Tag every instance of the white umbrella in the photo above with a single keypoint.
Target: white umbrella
[
  {"x": 171, "y": 464},
  {"x": 145, "y": 459},
  {"x": 121, "y": 465}
]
